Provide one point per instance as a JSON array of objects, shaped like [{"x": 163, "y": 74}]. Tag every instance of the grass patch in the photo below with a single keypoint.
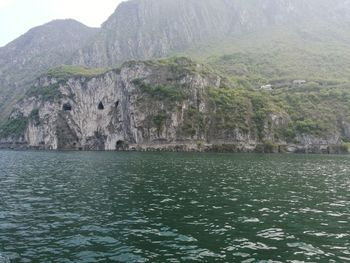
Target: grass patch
[
  {"x": 13, "y": 127},
  {"x": 64, "y": 72},
  {"x": 45, "y": 93},
  {"x": 160, "y": 92}
]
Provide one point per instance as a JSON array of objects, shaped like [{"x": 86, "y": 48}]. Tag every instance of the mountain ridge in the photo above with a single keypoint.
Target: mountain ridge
[
  {"x": 39, "y": 49},
  {"x": 144, "y": 29}
]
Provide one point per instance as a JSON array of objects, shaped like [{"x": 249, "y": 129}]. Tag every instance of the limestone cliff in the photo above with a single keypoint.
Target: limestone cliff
[
  {"x": 140, "y": 103},
  {"x": 171, "y": 104}
]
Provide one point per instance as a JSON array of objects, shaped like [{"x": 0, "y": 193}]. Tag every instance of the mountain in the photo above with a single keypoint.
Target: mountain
[
  {"x": 36, "y": 51},
  {"x": 144, "y": 29},
  {"x": 297, "y": 50}
]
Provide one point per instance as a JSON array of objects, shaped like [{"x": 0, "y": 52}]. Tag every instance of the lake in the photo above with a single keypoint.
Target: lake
[{"x": 173, "y": 207}]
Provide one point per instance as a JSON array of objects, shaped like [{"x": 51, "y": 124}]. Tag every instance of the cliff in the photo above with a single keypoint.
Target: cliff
[
  {"x": 173, "y": 104},
  {"x": 146, "y": 29}
]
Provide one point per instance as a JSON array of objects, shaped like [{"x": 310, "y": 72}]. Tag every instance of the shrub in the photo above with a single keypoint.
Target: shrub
[
  {"x": 309, "y": 127},
  {"x": 13, "y": 127},
  {"x": 270, "y": 147},
  {"x": 231, "y": 108},
  {"x": 344, "y": 148},
  {"x": 266, "y": 147},
  {"x": 160, "y": 92},
  {"x": 34, "y": 116},
  {"x": 159, "y": 120},
  {"x": 288, "y": 134},
  {"x": 193, "y": 121},
  {"x": 45, "y": 93}
]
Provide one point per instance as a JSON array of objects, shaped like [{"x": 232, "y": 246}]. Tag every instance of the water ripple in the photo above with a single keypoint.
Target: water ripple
[{"x": 134, "y": 207}]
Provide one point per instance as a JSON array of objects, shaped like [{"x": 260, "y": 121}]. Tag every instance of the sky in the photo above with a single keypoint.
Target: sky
[{"x": 18, "y": 16}]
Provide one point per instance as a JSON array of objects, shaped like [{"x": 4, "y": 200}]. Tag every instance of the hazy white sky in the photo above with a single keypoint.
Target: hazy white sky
[{"x": 18, "y": 16}]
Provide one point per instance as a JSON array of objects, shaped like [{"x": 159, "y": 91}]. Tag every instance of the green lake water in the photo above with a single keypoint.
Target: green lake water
[{"x": 173, "y": 207}]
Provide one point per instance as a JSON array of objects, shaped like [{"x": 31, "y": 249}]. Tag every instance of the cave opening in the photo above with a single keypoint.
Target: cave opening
[
  {"x": 116, "y": 104},
  {"x": 100, "y": 106},
  {"x": 121, "y": 145},
  {"x": 67, "y": 107}
]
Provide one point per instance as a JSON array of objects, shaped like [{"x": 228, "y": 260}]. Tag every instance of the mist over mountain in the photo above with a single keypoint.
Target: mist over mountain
[{"x": 143, "y": 29}]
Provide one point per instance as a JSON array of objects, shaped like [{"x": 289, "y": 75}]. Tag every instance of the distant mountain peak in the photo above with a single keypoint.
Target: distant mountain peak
[
  {"x": 143, "y": 29},
  {"x": 42, "y": 47}
]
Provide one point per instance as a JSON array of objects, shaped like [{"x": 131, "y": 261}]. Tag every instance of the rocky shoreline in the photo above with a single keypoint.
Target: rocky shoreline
[{"x": 216, "y": 148}]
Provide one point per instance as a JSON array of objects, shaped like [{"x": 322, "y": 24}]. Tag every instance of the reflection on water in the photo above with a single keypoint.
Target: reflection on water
[{"x": 147, "y": 207}]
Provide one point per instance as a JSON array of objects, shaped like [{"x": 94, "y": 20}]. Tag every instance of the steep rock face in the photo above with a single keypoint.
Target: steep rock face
[
  {"x": 141, "y": 105},
  {"x": 114, "y": 109},
  {"x": 143, "y": 29},
  {"x": 171, "y": 104},
  {"x": 40, "y": 48},
  {"x": 345, "y": 128}
]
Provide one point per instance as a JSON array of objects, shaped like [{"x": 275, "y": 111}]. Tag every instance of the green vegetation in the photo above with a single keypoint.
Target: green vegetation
[
  {"x": 309, "y": 126},
  {"x": 245, "y": 110},
  {"x": 178, "y": 65},
  {"x": 312, "y": 109},
  {"x": 305, "y": 111},
  {"x": 280, "y": 56},
  {"x": 338, "y": 149},
  {"x": 169, "y": 93},
  {"x": 61, "y": 74},
  {"x": 194, "y": 122},
  {"x": 64, "y": 72},
  {"x": 13, "y": 127},
  {"x": 288, "y": 134},
  {"x": 315, "y": 108},
  {"x": 270, "y": 147},
  {"x": 232, "y": 108},
  {"x": 267, "y": 147},
  {"x": 316, "y": 111},
  {"x": 34, "y": 116},
  {"x": 159, "y": 120},
  {"x": 45, "y": 93},
  {"x": 345, "y": 147}
]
